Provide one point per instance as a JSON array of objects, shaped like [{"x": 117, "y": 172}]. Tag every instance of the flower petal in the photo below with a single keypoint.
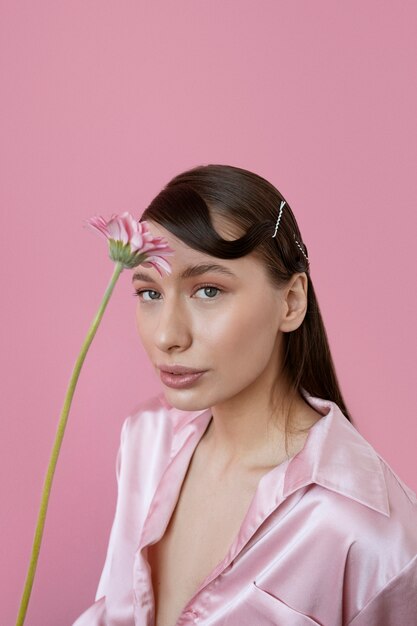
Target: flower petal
[
  {"x": 131, "y": 240},
  {"x": 114, "y": 230},
  {"x": 97, "y": 223},
  {"x": 157, "y": 262},
  {"x": 130, "y": 225},
  {"x": 124, "y": 235}
]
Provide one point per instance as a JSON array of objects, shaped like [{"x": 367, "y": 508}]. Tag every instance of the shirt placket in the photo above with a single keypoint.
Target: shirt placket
[
  {"x": 266, "y": 500},
  {"x": 160, "y": 511}
]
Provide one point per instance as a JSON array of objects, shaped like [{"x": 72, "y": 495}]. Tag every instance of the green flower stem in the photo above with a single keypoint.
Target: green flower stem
[{"x": 57, "y": 445}]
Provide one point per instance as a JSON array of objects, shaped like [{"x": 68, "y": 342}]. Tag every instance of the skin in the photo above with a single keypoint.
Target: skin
[{"x": 233, "y": 328}]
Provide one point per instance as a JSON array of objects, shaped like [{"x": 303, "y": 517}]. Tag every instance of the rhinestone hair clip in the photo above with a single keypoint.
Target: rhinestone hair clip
[
  {"x": 283, "y": 203},
  {"x": 279, "y": 217}
]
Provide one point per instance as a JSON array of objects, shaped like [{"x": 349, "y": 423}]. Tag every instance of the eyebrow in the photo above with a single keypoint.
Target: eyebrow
[{"x": 191, "y": 271}]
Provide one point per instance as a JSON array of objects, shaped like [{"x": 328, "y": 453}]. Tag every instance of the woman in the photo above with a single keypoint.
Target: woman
[{"x": 268, "y": 507}]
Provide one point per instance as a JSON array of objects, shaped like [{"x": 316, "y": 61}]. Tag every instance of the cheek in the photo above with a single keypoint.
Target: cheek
[
  {"x": 143, "y": 327},
  {"x": 244, "y": 336}
]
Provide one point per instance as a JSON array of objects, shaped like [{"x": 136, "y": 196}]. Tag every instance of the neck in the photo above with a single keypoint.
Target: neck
[{"x": 244, "y": 432}]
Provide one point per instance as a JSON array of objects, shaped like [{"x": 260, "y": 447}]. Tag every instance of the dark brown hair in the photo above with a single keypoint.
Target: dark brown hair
[{"x": 251, "y": 204}]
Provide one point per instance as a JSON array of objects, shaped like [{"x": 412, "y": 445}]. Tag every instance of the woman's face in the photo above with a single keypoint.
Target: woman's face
[{"x": 224, "y": 322}]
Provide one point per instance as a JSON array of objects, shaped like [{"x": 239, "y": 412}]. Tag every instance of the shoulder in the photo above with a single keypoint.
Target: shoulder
[
  {"x": 368, "y": 516},
  {"x": 397, "y": 489},
  {"x": 379, "y": 543},
  {"x": 371, "y": 504},
  {"x": 397, "y": 519},
  {"x": 365, "y": 510},
  {"x": 397, "y": 530},
  {"x": 340, "y": 459},
  {"x": 384, "y": 548}
]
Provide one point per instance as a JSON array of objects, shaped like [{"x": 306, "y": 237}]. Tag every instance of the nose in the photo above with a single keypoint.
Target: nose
[{"x": 172, "y": 328}]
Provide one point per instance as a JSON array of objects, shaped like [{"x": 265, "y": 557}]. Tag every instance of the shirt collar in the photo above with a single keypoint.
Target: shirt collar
[{"x": 335, "y": 455}]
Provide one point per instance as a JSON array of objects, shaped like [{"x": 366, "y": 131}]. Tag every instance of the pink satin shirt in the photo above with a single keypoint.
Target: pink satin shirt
[{"x": 330, "y": 536}]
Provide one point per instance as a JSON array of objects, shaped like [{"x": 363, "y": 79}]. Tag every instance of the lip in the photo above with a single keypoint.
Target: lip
[
  {"x": 179, "y": 369},
  {"x": 180, "y": 381}
]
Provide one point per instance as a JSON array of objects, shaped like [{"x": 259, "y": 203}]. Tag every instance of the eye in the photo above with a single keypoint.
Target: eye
[
  {"x": 209, "y": 291},
  {"x": 139, "y": 293},
  {"x": 208, "y": 288}
]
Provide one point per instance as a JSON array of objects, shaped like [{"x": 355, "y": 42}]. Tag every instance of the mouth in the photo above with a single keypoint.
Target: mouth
[
  {"x": 180, "y": 381},
  {"x": 179, "y": 370}
]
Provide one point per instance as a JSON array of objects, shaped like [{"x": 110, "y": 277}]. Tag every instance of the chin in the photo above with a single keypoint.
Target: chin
[{"x": 185, "y": 400}]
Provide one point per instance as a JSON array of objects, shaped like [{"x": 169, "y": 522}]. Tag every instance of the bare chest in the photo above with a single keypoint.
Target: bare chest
[{"x": 204, "y": 523}]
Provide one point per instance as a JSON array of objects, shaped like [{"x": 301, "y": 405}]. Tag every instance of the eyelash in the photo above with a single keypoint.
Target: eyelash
[{"x": 138, "y": 292}]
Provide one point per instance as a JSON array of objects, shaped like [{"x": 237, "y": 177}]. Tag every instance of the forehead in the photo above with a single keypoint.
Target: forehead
[
  {"x": 184, "y": 256},
  {"x": 180, "y": 247}
]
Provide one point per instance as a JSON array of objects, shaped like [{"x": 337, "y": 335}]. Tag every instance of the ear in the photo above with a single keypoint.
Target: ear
[{"x": 294, "y": 303}]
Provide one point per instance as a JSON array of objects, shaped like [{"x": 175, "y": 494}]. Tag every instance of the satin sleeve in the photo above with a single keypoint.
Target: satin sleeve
[
  {"x": 395, "y": 604},
  {"x": 95, "y": 615}
]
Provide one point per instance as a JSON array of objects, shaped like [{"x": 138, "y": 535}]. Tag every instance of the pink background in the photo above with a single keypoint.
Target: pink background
[{"x": 102, "y": 103}]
